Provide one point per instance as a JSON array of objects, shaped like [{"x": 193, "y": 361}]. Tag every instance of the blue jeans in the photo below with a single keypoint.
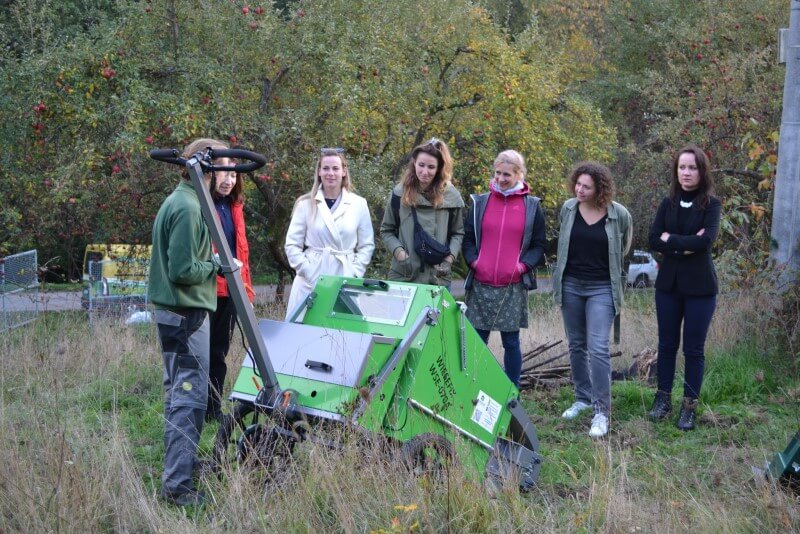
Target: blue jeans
[
  {"x": 512, "y": 358},
  {"x": 588, "y": 311},
  {"x": 695, "y": 313}
]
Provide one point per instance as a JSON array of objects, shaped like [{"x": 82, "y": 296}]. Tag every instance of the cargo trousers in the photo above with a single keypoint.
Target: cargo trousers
[{"x": 184, "y": 337}]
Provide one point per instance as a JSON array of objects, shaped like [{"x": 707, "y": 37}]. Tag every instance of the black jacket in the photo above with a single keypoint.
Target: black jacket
[{"x": 690, "y": 274}]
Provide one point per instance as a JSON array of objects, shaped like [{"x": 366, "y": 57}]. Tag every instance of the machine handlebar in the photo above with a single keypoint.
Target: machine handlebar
[{"x": 205, "y": 157}]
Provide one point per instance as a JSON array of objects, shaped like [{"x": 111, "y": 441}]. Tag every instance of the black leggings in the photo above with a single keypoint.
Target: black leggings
[
  {"x": 694, "y": 313},
  {"x": 222, "y": 323}
]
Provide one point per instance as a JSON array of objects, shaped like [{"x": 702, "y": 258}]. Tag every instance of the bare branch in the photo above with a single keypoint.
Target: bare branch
[
  {"x": 267, "y": 86},
  {"x": 741, "y": 172}
]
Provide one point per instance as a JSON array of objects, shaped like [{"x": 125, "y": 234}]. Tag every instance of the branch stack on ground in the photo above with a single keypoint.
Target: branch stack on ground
[{"x": 541, "y": 370}]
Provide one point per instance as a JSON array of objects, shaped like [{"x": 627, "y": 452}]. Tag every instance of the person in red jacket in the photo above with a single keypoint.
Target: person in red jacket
[
  {"x": 229, "y": 202},
  {"x": 504, "y": 242}
]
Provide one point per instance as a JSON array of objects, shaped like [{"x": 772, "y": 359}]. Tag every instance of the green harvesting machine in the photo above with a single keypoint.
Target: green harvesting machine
[
  {"x": 400, "y": 360},
  {"x": 393, "y": 361}
]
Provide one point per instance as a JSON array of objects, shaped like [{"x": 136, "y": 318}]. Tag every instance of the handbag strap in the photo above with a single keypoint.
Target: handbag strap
[
  {"x": 414, "y": 214},
  {"x": 417, "y": 228}
]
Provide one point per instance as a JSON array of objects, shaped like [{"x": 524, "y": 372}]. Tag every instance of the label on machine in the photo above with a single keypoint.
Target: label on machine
[{"x": 486, "y": 412}]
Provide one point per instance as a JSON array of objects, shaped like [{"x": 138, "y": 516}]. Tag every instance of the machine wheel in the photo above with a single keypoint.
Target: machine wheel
[
  {"x": 642, "y": 281},
  {"x": 247, "y": 441},
  {"x": 232, "y": 426},
  {"x": 265, "y": 446},
  {"x": 430, "y": 454}
]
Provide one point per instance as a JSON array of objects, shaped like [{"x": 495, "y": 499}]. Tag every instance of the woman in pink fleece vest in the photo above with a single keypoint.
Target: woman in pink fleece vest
[{"x": 504, "y": 242}]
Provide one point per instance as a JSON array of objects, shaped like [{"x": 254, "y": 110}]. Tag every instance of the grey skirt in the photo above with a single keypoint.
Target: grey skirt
[{"x": 498, "y": 308}]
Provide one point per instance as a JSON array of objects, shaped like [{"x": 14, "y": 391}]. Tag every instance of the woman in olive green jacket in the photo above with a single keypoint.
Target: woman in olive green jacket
[
  {"x": 426, "y": 189},
  {"x": 595, "y": 235}
]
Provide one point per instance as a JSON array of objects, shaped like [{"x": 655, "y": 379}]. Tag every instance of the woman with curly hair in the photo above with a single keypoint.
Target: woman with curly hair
[
  {"x": 425, "y": 198},
  {"x": 587, "y": 283}
]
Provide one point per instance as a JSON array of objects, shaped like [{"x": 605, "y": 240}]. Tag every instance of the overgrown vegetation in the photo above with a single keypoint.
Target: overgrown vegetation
[
  {"x": 94, "y": 84},
  {"x": 91, "y": 85},
  {"x": 284, "y": 79},
  {"x": 81, "y": 447}
]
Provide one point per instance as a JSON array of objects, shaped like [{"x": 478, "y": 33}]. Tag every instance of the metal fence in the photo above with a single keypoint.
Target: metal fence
[
  {"x": 19, "y": 289},
  {"x": 110, "y": 293}
]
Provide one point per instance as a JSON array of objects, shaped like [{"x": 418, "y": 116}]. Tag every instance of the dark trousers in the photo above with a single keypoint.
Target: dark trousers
[
  {"x": 184, "y": 344},
  {"x": 222, "y": 323},
  {"x": 512, "y": 359},
  {"x": 694, "y": 314}
]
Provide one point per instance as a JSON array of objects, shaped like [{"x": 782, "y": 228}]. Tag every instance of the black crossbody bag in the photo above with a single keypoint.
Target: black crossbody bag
[{"x": 430, "y": 251}]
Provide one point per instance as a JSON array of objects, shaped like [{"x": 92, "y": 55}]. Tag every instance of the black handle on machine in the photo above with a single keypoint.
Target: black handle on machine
[
  {"x": 173, "y": 155},
  {"x": 371, "y": 282},
  {"x": 322, "y": 366}
]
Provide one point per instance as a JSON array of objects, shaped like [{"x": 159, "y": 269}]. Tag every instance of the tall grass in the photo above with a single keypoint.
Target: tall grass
[{"x": 81, "y": 450}]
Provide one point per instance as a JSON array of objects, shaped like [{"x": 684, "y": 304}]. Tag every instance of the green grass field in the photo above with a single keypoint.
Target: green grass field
[{"x": 81, "y": 449}]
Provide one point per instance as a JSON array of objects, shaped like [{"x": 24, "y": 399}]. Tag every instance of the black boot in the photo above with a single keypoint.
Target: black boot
[
  {"x": 686, "y": 417},
  {"x": 662, "y": 405}
]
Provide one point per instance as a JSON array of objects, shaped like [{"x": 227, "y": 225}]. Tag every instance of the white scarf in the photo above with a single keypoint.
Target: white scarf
[{"x": 507, "y": 192}]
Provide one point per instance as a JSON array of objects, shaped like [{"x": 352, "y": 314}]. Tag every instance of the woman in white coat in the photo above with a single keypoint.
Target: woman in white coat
[{"x": 331, "y": 229}]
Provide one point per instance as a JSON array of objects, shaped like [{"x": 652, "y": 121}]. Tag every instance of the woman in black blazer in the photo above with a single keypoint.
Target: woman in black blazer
[{"x": 684, "y": 229}]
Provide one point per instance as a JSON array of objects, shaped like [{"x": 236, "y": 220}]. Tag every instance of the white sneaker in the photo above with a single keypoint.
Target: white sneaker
[
  {"x": 576, "y": 408},
  {"x": 599, "y": 426}
]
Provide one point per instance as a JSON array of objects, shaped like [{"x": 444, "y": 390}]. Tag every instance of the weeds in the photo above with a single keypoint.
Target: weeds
[{"x": 81, "y": 448}]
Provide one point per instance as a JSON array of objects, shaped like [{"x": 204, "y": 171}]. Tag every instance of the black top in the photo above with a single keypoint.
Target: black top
[
  {"x": 686, "y": 203},
  {"x": 686, "y": 267},
  {"x": 330, "y": 202},
  {"x": 223, "y": 206},
  {"x": 588, "y": 250}
]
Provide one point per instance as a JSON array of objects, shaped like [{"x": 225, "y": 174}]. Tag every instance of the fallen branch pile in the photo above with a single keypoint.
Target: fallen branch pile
[{"x": 535, "y": 374}]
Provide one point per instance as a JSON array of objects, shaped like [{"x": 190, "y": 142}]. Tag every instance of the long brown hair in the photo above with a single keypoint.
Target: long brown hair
[
  {"x": 706, "y": 186},
  {"x": 412, "y": 189},
  {"x": 236, "y": 196},
  {"x": 237, "y": 193}
]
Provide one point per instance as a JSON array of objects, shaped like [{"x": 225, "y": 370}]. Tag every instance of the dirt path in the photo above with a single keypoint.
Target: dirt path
[{"x": 71, "y": 300}]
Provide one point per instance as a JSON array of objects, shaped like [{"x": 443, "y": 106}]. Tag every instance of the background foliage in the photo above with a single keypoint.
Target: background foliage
[
  {"x": 286, "y": 79},
  {"x": 92, "y": 85}
]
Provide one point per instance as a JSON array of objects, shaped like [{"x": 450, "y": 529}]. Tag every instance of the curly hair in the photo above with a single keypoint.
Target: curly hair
[
  {"x": 412, "y": 189},
  {"x": 601, "y": 176}
]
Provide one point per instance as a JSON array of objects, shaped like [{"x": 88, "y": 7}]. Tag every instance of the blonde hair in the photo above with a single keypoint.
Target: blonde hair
[
  {"x": 346, "y": 182},
  {"x": 513, "y": 158}
]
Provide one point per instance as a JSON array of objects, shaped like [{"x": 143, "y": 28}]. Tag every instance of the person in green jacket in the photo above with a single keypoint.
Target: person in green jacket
[
  {"x": 594, "y": 237},
  {"x": 424, "y": 191},
  {"x": 183, "y": 289}
]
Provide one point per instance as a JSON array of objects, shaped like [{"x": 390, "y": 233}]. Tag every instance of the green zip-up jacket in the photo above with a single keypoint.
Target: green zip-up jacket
[
  {"x": 445, "y": 224},
  {"x": 182, "y": 274},
  {"x": 619, "y": 229}
]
